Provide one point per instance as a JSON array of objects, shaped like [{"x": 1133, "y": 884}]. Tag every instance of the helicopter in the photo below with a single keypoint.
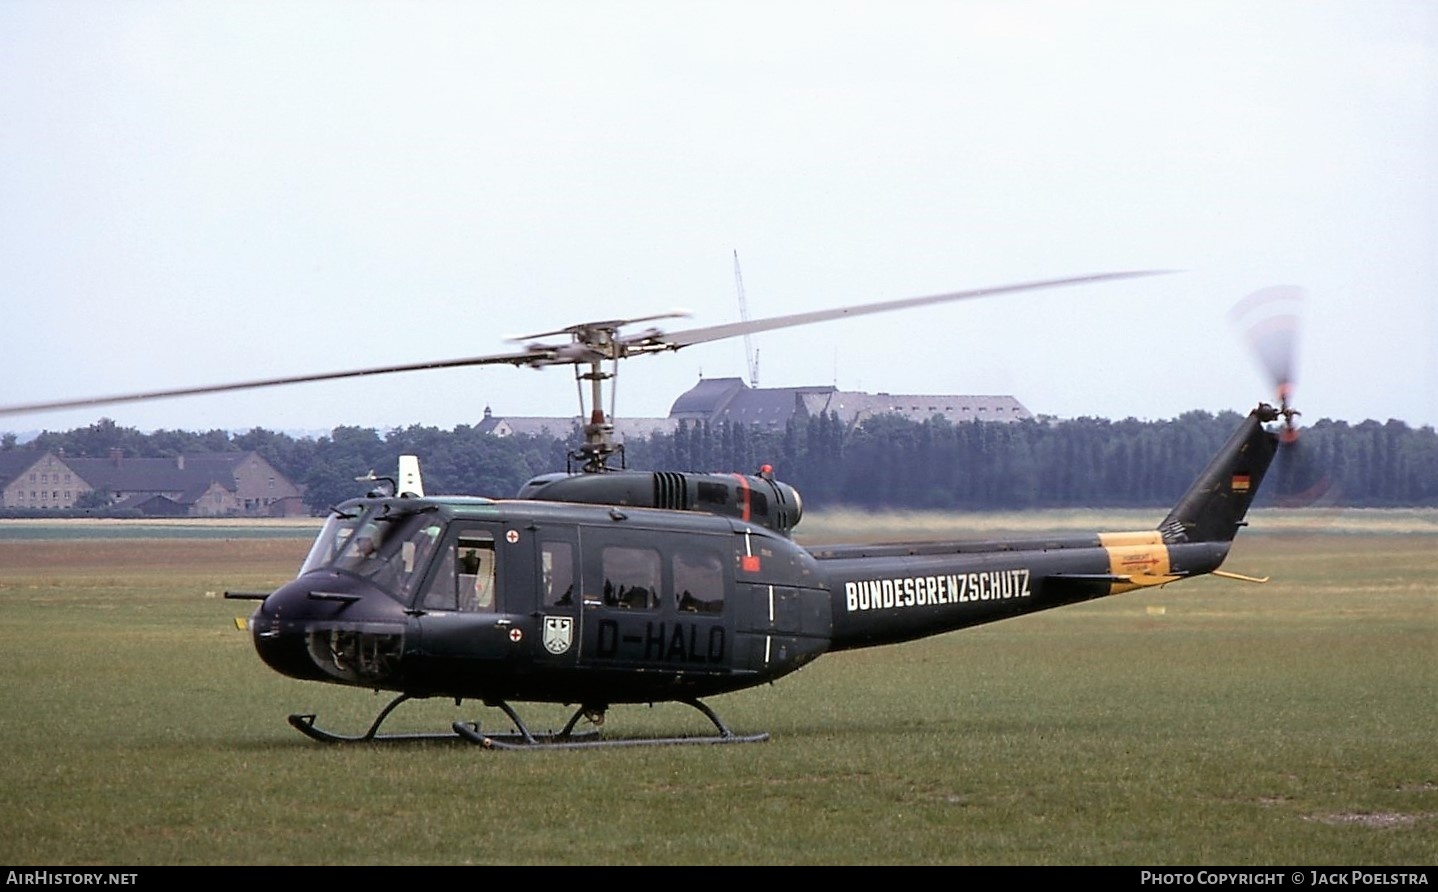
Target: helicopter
[{"x": 602, "y": 585}]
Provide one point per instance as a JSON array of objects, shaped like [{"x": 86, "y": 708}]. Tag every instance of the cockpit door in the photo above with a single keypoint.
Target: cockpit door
[{"x": 464, "y": 606}]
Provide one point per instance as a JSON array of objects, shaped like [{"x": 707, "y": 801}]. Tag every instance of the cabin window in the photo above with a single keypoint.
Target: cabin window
[
  {"x": 631, "y": 577},
  {"x": 557, "y": 564},
  {"x": 698, "y": 581},
  {"x": 465, "y": 578}
]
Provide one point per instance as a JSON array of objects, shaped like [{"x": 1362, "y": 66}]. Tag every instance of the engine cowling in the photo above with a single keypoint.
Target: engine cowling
[{"x": 756, "y": 498}]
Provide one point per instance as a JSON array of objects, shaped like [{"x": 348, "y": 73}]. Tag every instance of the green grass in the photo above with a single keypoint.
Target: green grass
[
  {"x": 167, "y": 528},
  {"x": 1211, "y": 722}
]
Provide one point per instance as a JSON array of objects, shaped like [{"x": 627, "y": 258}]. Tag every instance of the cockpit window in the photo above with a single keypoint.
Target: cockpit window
[
  {"x": 361, "y": 551},
  {"x": 332, "y": 539},
  {"x": 415, "y": 555},
  {"x": 390, "y": 551}
]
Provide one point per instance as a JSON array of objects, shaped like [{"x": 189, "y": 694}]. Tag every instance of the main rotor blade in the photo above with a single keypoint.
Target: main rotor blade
[
  {"x": 580, "y": 351},
  {"x": 524, "y": 358},
  {"x": 653, "y": 342}
]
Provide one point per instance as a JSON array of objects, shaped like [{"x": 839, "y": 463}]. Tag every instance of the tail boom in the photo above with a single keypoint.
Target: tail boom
[{"x": 883, "y": 594}]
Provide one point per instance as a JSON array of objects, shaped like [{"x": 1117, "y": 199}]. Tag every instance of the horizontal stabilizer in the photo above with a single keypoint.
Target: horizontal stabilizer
[
  {"x": 1099, "y": 584},
  {"x": 1091, "y": 577}
]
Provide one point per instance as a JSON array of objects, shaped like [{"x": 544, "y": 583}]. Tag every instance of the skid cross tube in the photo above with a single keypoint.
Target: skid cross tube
[{"x": 566, "y": 739}]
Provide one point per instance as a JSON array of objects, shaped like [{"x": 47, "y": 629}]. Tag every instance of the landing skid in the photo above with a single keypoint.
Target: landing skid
[
  {"x": 566, "y": 739},
  {"x": 523, "y": 738},
  {"x": 305, "y": 724}
]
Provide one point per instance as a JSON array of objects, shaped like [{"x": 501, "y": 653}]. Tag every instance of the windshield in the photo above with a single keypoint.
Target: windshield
[{"x": 390, "y": 551}]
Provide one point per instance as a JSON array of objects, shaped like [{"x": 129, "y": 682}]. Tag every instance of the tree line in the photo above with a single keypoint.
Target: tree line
[{"x": 886, "y": 462}]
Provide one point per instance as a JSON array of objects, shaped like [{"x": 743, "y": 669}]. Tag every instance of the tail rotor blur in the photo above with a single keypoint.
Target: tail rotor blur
[{"x": 1270, "y": 320}]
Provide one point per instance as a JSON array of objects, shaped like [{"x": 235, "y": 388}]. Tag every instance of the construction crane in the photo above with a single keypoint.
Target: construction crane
[{"x": 749, "y": 352}]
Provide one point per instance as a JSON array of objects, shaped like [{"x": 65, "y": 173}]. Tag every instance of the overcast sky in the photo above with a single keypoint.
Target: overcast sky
[{"x": 197, "y": 193}]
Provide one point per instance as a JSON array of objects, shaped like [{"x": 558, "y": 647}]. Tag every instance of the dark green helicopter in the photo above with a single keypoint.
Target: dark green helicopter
[{"x": 607, "y": 586}]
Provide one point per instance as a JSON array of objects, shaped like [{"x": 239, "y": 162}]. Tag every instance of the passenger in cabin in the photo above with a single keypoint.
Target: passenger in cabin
[
  {"x": 558, "y": 568},
  {"x": 631, "y": 577},
  {"x": 469, "y": 562},
  {"x": 464, "y": 579},
  {"x": 698, "y": 582}
]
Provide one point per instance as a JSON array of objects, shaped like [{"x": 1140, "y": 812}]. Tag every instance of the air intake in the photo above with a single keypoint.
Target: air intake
[{"x": 671, "y": 491}]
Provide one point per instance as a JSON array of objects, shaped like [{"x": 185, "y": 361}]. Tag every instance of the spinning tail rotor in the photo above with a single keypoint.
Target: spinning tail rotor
[{"x": 1269, "y": 320}]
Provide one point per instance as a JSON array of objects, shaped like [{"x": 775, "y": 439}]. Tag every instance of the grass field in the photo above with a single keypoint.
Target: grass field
[{"x": 1208, "y": 723}]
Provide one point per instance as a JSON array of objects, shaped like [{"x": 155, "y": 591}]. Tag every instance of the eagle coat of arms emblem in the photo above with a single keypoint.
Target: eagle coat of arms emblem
[{"x": 558, "y": 634}]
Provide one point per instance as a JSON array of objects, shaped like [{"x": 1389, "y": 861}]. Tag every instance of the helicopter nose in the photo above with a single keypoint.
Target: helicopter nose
[{"x": 328, "y": 627}]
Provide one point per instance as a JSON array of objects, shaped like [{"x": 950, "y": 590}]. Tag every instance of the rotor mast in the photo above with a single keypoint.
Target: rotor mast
[{"x": 598, "y": 443}]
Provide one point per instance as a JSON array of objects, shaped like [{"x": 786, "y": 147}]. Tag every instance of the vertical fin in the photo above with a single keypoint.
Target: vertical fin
[{"x": 1213, "y": 508}]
